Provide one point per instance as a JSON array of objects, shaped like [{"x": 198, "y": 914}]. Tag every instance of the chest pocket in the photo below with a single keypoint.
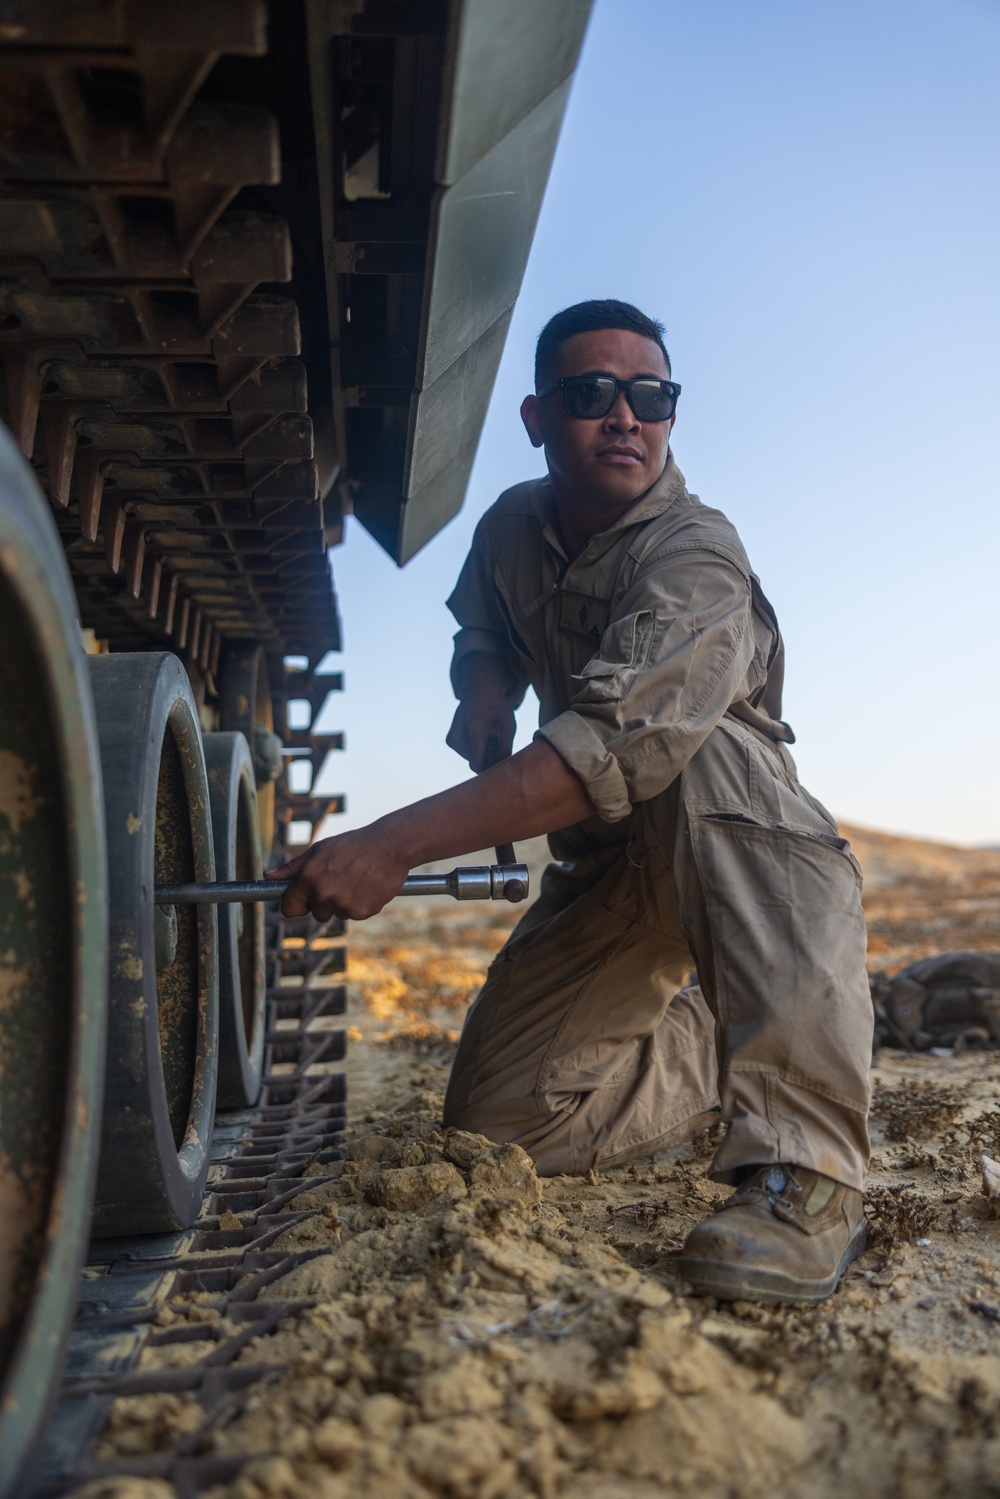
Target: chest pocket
[{"x": 607, "y": 678}]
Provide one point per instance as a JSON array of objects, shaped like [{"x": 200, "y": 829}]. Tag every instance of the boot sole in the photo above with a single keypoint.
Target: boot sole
[{"x": 743, "y": 1283}]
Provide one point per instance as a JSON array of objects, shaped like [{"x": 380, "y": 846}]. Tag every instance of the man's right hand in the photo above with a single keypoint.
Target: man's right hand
[
  {"x": 478, "y": 719},
  {"x": 484, "y": 711}
]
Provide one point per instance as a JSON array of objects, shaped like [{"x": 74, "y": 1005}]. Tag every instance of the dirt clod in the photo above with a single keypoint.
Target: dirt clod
[{"x": 406, "y": 1188}]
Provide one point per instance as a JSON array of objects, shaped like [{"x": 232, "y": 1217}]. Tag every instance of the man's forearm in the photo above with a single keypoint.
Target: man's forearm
[
  {"x": 353, "y": 874},
  {"x": 531, "y": 793}
]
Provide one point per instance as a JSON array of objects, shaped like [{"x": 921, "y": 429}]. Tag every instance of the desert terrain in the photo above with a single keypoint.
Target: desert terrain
[{"x": 479, "y": 1333}]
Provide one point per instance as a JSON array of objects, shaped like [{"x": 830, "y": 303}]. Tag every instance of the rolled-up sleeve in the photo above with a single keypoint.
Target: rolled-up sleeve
[
  {"x": 678, "y": 652},
  {"x": 476, "y": 606}
]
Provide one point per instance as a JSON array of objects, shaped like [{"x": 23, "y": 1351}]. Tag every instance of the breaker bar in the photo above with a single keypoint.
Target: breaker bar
[{"x": 465, "y": 882}]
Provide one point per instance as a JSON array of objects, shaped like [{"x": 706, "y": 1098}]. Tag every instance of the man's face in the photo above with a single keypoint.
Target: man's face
[{"x": 612, "y": 459}]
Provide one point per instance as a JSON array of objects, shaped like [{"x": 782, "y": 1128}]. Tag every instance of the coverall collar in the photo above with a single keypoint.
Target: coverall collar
[{"x": 657, "y": 498}]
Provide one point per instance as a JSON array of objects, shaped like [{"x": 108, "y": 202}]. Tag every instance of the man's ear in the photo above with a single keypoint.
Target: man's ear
[{"x": 531, "y": 416}]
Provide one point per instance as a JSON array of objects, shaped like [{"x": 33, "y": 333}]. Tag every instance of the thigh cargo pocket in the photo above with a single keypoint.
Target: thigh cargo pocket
[{"x": 787, "y": 934}]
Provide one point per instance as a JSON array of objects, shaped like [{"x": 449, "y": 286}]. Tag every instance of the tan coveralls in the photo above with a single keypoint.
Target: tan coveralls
[{"x": 657, "y": 662}]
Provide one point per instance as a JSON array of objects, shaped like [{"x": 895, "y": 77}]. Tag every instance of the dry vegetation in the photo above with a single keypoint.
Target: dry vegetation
[{"x": 481, "y": 1334}]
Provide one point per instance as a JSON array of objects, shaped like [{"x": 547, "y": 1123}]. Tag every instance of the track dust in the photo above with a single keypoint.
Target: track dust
[{"x": 478, "y": 1333}]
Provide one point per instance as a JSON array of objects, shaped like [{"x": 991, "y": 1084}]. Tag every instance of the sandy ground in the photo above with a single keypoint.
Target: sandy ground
[{"x": 481, "y": 1334}]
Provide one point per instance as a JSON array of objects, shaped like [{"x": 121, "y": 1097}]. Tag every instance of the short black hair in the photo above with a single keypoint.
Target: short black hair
[{"x": 590, "y": 317}]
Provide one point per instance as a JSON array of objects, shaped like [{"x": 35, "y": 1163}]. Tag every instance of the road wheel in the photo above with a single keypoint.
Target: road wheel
[
  {"x": 53, "y": 958},
  {"x": 241, "y": 928},
  {"x": 163, "y": 987},
  {"x": 246, "y": 708}
]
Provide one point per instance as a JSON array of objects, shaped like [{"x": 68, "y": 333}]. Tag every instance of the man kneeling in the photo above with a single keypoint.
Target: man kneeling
[{"x": 679, "y": 829}]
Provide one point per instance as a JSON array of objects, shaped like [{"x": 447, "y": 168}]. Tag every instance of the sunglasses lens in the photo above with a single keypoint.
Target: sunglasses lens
[
  {"x": 593, "y": 396},
  {"x": 590, "y": 397},
  {"x": 652, "y": 400}
]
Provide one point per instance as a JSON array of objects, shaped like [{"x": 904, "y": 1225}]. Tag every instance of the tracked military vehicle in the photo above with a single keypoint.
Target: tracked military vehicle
[{"x": 255, "y": 275}]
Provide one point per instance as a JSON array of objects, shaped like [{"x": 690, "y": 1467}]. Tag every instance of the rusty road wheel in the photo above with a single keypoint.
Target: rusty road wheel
[
  {"x": 241, "y": 928},
  {"x": 163, "y": 984},
  {"x": 245, "y": 689},
  {"x": 53, "y": 957}
]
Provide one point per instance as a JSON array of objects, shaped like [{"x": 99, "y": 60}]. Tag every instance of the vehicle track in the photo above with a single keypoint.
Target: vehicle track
[{"x": 135, "y": 1293}]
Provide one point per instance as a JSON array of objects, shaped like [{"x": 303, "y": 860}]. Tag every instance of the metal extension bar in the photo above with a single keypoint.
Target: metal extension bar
[{"x": 465, "y": 882}]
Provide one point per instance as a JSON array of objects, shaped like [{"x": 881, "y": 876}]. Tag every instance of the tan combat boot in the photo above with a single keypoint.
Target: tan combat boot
[{"x": 786, "y": 1234}]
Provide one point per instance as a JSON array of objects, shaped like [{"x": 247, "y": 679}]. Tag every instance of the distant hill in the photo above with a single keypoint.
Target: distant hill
[{"x": 891, "y": 859}]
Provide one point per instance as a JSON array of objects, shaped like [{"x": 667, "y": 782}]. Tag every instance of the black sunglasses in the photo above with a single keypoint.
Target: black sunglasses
[{"x": 592, "y": 396}]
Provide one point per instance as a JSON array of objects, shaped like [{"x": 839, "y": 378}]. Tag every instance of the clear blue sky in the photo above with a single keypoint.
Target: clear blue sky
[{"x": 807, "y": 195}]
